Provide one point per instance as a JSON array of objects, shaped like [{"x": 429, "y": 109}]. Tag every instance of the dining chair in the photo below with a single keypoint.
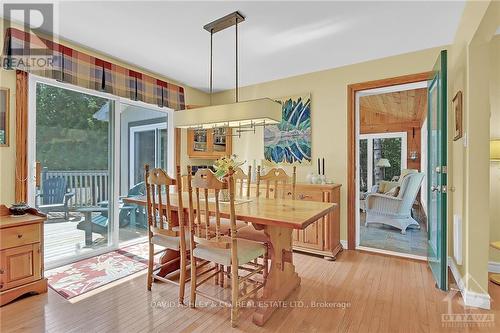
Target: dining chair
[
  {"x": 161, "y": 230},
  {"x": 275, "y": 178},
  {"x": 212, "y": 246}
]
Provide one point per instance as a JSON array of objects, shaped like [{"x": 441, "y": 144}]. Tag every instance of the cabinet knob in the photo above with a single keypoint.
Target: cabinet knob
[
  {"x": 20, "y": 236},
  {"x": 2, "y": 271}
]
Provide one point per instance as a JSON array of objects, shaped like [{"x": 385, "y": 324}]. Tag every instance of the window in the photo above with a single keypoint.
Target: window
[
  {"x": 372, "y": 148},
  {"x": 147, "y": 146}
]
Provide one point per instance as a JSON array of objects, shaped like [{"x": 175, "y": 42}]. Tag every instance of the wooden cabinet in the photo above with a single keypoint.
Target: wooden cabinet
[
  {"x": 19, "y": 265},
  {"x": 209, "y": 143},
  {"x": 21, "y": 255},
  {"x": 323, "y": 236}
]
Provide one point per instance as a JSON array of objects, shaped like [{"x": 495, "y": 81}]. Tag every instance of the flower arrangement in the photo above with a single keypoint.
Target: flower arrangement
[{"x": 223, "y": 164}]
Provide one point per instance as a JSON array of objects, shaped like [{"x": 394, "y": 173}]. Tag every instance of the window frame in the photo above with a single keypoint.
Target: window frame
[{"x": 388, "y": 135}]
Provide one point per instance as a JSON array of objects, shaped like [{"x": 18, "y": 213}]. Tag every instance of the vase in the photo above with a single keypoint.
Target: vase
[
  {"x": 224, "y": 195},
  {"x": 309, "y": 178}
]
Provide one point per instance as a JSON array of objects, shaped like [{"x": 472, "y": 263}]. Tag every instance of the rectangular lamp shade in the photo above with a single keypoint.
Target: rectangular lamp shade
[
  {"x": 245, "y": 113},
  {"x": 495, "y": 150}
]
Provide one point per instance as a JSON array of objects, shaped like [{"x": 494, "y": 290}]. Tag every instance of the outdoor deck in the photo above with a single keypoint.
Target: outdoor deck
[{"x": 63, "y": 239}]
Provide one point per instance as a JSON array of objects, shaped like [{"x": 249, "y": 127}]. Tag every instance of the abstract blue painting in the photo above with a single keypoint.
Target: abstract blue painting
[{"x": 290, "y": 141}]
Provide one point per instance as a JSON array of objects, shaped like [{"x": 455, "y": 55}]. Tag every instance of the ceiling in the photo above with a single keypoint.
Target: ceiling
[
  {"x": 405, "y": 109},
  {"x": 277, "y": 40}
]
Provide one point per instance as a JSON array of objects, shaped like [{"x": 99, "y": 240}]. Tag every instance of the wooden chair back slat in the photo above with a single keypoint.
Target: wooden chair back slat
[
  {"x": 207, "y": 214},
  {"x": 273, "y": 179},
  {"x": 199, "y": 213},
  {"x": 161, "y": 212},
  {"x": 154, "y": 206},
  {"x": 217, "y": 215}
]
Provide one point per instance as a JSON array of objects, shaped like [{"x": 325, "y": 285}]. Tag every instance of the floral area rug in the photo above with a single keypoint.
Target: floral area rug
[{"x": 83, "y": 276}]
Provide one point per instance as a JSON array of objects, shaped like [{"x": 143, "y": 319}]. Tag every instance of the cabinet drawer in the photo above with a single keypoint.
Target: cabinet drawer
[
  {"x": 22, "y": 235},
  {"x": 308, "y": 195}
]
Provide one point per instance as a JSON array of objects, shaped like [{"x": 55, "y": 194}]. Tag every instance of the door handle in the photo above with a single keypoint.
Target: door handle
[{"x": 435, "y": 188}]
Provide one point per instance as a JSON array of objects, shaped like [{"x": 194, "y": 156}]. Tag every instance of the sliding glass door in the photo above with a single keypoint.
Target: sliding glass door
[
  {"x": 87, "y": 152},
  {"x": 71, "y": 154},
  {"x": 143, "y": 140}
]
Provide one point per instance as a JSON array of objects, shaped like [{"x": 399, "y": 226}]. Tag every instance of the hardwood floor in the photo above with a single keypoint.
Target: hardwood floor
[{"x": 382, "y": 294}]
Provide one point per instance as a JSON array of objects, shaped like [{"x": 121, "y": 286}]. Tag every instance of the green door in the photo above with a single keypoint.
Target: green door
[{"x": 437, "y": 167}]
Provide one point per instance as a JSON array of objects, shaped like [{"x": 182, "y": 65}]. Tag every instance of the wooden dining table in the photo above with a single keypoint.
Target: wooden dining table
[{"x": 278, "y": 218}]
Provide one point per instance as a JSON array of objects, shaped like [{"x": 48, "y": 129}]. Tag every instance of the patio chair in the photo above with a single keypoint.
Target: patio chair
[
  {"x": 54, "y": 196},
  {"x": 129, "y": 213},
  {"x": 395, "y": 211}
]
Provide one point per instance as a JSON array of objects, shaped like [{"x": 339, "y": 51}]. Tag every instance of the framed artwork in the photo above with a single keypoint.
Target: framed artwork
[
  {"x": 4, "y": 117},
  {"x": 458, "y": 111},
  {"x": 289, "y": 143}
]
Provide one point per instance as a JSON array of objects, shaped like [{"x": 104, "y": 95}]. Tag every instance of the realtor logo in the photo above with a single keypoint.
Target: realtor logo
[{"x": 29, "y": 48}]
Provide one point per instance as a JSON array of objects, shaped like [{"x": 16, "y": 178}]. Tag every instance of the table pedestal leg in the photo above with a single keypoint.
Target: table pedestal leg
[
  {"x": 171, "y": 254},
  {"x": 282, "y": 279}
]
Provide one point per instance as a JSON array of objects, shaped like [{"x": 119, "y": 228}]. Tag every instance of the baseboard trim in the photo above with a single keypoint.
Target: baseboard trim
[
  {"x": 494, "y": 267},
  {"x": 471, "y": 298},
  {"x": 391, "y": 253}
]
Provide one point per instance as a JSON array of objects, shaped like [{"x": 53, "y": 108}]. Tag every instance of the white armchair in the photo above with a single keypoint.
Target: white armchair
[{"x": 395, "y": 211}]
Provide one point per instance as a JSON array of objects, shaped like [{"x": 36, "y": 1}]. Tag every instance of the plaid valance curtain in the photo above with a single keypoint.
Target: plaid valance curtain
[{"x": 30, "y": 53}]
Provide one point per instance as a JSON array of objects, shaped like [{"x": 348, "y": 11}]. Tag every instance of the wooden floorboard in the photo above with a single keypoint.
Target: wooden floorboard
[{"x": 382, "y": 294}]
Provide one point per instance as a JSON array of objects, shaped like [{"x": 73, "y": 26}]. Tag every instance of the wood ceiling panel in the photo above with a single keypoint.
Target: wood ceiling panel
[{"x": 409, "y": 106}]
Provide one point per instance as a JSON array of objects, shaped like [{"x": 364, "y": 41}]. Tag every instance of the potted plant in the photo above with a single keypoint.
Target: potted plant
[{"x": 221, "y": 167}]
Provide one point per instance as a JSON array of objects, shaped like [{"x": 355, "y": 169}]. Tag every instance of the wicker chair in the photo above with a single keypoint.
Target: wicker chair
[{"x": 395, "y": 211}]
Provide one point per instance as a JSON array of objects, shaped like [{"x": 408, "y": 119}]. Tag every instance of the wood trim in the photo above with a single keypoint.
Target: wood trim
[
  {"x": 178, "y": 143},
  {"x": 21, "y": 171},
  {"x": 7, "y": 118},
  {"x": 351, "y": 141}
]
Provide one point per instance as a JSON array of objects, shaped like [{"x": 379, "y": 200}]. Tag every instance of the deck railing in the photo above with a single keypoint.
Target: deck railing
[{"x": 89, "y": 186}]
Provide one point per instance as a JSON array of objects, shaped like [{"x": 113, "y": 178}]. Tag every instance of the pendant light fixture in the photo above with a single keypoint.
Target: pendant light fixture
[{"x": 244, "y": 116}]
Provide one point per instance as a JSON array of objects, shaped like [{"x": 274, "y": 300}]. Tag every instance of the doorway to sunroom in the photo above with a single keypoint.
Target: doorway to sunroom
[{"x": 391, "y": 146}]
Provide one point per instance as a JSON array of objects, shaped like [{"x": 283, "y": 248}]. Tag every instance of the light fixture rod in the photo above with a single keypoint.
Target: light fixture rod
[
  {"x": 236, "y": 58},
  {"x": 215, "y": 26},
  {"x": 211, "y": 63}
]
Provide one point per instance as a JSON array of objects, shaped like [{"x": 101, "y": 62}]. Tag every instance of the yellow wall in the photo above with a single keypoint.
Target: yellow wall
[
  {"x": 329, "y": 110},
  {"x": 8, "y": 80},
  {"x": 469, "y": 71},
  {"x": 495, "y": 134}
]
